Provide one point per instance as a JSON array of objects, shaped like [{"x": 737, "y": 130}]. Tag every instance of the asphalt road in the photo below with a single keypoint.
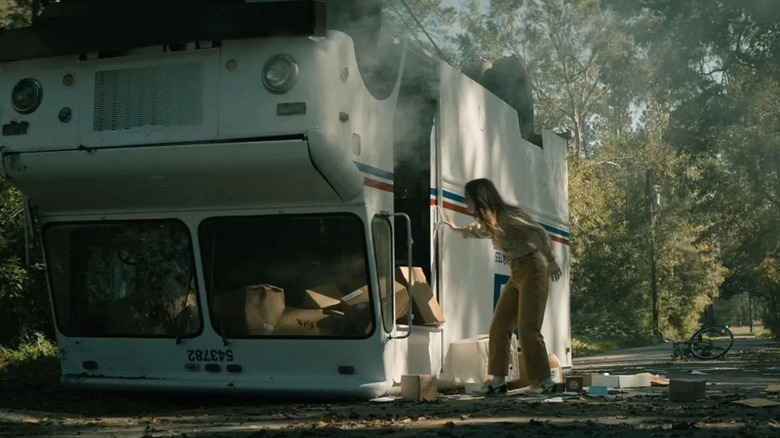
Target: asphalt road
[{"x": 744, "y": 373}]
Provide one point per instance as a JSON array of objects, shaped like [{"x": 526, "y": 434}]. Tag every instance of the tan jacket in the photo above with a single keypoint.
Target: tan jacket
[{"x": 519, "y": 235}]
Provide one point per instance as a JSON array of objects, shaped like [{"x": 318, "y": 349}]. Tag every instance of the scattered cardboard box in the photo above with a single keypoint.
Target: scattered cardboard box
[
  {"x": 687, "y": 390},
  {"x": 419, "y": 387},
  {"x": 598, "y": 391},
  {"x": 310, "y": 322},
  {"x": 251, "y": 310},
  {"x": 556, "y": 370},
  {"x": 656, "y": 380},
  {"x": 620, "y": 381},
  {"x": 466, "y": 360},
  {"x": 321, "y": 297},
  {"x": 757, "y": 402},
  {"x": 425, "y": 308},
  {"x": 574, "y": 384}
]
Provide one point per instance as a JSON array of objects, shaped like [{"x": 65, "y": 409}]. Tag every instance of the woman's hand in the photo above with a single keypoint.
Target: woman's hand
[
  {"x": 447, "y": 221},
  {"x": 553, "y": 270}
]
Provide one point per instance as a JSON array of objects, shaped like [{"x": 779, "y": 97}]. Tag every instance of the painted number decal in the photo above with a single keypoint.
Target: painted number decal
[{"x": 210, "y": 355}]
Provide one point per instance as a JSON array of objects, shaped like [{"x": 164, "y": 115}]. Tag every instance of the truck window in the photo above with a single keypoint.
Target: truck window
[
  {"x": 130, "y": 279},
  {"x": 287, "y": 275}
]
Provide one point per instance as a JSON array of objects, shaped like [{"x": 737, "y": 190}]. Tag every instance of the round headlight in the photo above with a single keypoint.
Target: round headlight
[
  {"x": 26, "y": 95},
  {"x": 280, "y": 73}
]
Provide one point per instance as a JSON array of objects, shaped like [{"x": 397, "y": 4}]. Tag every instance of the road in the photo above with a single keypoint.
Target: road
[{"x": 746, "y": 372}]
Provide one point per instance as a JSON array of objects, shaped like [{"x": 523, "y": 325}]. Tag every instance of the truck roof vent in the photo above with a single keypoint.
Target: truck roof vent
[{"x": 155, "y": 95}]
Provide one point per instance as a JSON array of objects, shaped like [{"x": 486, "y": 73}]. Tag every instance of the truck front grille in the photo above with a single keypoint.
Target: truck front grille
[{"x": 155, "y": 95}]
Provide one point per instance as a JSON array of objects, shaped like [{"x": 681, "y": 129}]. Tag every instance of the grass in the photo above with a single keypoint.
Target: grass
[{"x": 35, "y": 361}]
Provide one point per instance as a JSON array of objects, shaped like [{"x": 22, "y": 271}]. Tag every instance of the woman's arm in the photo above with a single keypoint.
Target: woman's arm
[{"x": 475, "y": 229}]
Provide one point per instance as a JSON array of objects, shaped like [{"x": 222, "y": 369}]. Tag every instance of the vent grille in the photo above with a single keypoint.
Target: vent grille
[{"x": 159, "y": 95}]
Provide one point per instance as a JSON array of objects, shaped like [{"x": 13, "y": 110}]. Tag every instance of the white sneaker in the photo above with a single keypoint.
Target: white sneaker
[
  {"x": 543, "y": 386},
  {"x": 489, "y": 390}
]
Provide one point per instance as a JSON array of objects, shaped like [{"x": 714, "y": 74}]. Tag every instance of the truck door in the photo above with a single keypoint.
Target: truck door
[{"x": 383, "y": 236}]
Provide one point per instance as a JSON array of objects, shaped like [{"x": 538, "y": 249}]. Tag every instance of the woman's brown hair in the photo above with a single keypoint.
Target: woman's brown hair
[{"x": 487, "y": 201}]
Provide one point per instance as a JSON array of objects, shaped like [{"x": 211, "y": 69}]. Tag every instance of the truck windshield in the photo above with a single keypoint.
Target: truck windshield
[
  {"x": 130, "y": 279},
  {"x": 287, "y": 275}
]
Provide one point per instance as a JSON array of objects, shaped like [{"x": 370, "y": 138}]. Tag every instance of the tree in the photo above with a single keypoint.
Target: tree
[
  {"x": 717, "y": 68},
  {"x": 571, "y": 50}
]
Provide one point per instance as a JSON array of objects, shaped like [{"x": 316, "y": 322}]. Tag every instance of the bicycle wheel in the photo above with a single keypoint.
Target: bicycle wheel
[{"x": 711, "y": 342}]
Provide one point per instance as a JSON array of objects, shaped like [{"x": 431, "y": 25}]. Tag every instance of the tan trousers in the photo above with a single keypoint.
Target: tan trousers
[{"x": 521, "y": 305}]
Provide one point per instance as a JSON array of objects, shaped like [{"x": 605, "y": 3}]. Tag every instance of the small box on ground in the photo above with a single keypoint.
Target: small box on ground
[
  {"x": 467, "y": 359},
  {"x": 419, "y": 387},
  {"x": 574, "y": 384},
  {"x": 622, "y": 381},
  {"x": 556, "y": 370},
  {"x": 252, "y": 310},
  {"x": 425, "y": 308},
  {"x": 687, "y": 390},
  {"x": 587, "y": 379}
]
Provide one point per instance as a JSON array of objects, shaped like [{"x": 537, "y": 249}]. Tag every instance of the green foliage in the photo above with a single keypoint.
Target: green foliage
[
  {"x": 24, "y": 303},
  {"x": 15, "y": 13},
  {"x": 34, "y": 361}
]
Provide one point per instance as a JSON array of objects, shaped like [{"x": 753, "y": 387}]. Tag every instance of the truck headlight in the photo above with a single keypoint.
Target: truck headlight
[
  {"x": 27, "y": 95},
  {"x": 280, "y": 73}
]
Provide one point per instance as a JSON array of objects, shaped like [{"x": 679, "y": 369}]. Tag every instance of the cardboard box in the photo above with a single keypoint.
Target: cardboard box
[
  {"x": 687, "y": 390},
  {"x": 401, "y": 302},
  {"x": 467, "y": 359},
  {"x": 556, "y": 370},
  {"x": 311, "y": 322},
  {"x": 587, "y": 379},
  {"x": 630, "y": 381},
  {"x": 402, "y": 275},
  {"x": 419, "y": 387},
  {"x": 425, "y": 308},
  {"x": 322, "y": 297},
  {"x": 249, "y": 311},
  {"x": 356, "y": 308},
  {"x": 574, "y": 384}
]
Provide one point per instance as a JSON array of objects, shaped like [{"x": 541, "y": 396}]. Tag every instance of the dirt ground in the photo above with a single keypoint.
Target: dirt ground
[{"x": 744, "y": 373}]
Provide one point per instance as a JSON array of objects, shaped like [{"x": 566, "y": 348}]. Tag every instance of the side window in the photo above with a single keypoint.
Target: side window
[{"x": 383, "y": 253}]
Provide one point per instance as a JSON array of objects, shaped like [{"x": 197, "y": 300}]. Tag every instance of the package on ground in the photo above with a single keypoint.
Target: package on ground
[
  {"x": 686, "y": 390},
  {"x": 251, "y": 310},
  {"x": 321, "y": 297},
  {"x": 620, "y": 381},
  {"x": 419, "y": 387},
  {"x": 586, "y": 379},
  {"x": 556, "y": 370},
  {"x": 574, "y": 383},
  {"x": 466, "y": 360},
  {"x": 425, "y": 308},
  {"x": 311, "y": 322}
]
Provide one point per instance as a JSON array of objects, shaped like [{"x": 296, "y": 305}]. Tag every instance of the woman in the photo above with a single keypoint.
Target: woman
[{"x": 524, "y": 298}]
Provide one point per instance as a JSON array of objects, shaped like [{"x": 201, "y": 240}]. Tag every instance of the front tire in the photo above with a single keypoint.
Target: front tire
[{"x": 711, "y": 342}]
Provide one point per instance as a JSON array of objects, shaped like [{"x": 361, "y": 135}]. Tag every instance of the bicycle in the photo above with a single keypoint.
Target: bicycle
[{"x": 707, "y": 343}]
